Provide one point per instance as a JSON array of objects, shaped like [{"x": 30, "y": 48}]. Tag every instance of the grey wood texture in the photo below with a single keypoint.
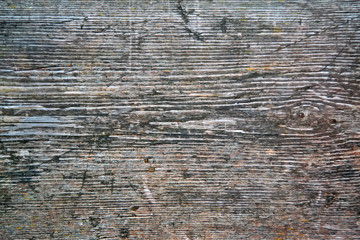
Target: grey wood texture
[{"x": 166, "y": 119}]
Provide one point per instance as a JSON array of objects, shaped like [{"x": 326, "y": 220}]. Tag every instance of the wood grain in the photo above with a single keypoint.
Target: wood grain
[{"x": 167, "y": 119}]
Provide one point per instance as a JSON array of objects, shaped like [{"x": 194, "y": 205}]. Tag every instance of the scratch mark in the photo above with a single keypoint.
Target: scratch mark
[
  {"x": 183, "y": 12},
  {"x": 195, "y": 35},
  {"x": 185, "y": 17},
  {"x": 148, "y": 193}
]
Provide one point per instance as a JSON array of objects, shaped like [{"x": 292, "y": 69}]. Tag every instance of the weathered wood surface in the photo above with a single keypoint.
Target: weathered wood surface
[{"x": 167, "y": 119}]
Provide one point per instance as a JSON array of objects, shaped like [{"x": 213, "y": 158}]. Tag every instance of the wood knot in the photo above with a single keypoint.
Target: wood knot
[{"x": 303, "y": 119}]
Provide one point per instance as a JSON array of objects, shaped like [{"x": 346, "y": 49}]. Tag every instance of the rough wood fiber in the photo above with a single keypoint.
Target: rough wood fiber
[{"x": 166, "y": 119}]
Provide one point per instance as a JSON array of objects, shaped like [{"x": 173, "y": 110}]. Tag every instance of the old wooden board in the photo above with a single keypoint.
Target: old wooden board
[{"x": 164, "y": 119}]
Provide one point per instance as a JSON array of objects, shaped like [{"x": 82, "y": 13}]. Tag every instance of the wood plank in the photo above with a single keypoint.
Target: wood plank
[{"x": 177, "y": 119}]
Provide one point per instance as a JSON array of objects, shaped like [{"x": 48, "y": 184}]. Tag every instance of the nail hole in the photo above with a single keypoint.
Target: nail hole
[{"x": 301, "y": 115}]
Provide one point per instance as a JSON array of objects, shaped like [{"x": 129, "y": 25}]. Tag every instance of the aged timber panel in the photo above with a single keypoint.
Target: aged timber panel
[{"x": 164, "y": 119}]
